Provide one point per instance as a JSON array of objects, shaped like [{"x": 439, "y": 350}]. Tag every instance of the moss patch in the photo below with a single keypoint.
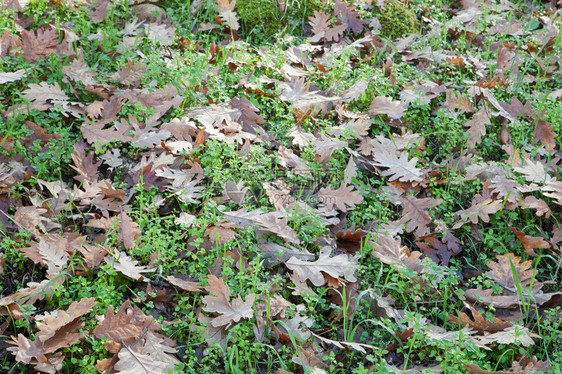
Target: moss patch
[
  {"x": 268, "y": 17},
  {"x": 398, "y": 20}
]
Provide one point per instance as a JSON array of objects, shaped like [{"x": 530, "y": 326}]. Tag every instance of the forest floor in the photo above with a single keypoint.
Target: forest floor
[{"x": 371, "y": 188}]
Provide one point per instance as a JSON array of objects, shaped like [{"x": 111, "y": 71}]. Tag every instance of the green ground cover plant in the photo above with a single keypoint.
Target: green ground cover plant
[{"x": 222, "y": 186}]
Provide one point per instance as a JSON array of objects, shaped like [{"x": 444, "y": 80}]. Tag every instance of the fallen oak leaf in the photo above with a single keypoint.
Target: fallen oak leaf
[
  {"x": 530, "y": 242},
  {"x": 385, "y": 105},
  {"x": 341, "y": 198},
  {"x": 482, "y": 209},
  {"x": 229, "y": 311},
  {"x": 337, "y": 266},
  {"x": 127, "y": 266}
]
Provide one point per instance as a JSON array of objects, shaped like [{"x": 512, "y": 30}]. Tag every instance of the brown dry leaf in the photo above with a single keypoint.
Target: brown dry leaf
[
  {"x": 385, "y": 105},
  {"x": 504, "y": 188},
  {"x": 129, "y": 232},
  {"x": 480, "y": 323},
  {"x": 337, "y": 266},
  {"x": 79, "y": 71},
  {"x": 184, "y": 284},
  {"x": 457, "y": 102},
  {"x": 127, "y": 326},
  {"x": 39, "y": 43},
  {"x": 127, "y": 266},
  {"x": 477, "y": 126},
  {"x": 130, "y": 74},
  {"x": 84, "y": 165},
  {"x": 347, "y": 15},
  {"x": 233, "y": 192},
  {"x": 501, "y": 272},
  {"x": 530, "y": 242},
  {"x": 480, "y": 210},
  {"x": 223, "y": 231},
  {"x": 544, "y": 133},
  {"x": 540, "y": 205},
  {"x": 534, "y": 172},
  {"x": 55, "y": 332},
  {"x": 220, "y": 303},
  {"x": 162, "y": 33},
  {"x": 522, "y": 366},
  {"x": 320, "y": 24},
  {"x": 275, "y": 253},
  {"x": 276, "y": 305},
  {"x": 185, "y": 184},
  {"x": 29, "y": 295},
  {"x": 390, "y": 251},
  {"x": 414, "y": 213},
  {"x": 341, "y": 198},
  {"x": 12, "y": 77},
  {"x": 101, "y": 12},
  {"x": 95, "y": 133}
]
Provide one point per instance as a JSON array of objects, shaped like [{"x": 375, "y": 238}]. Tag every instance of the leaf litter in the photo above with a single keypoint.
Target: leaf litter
[{"x": 89, "y": 221}]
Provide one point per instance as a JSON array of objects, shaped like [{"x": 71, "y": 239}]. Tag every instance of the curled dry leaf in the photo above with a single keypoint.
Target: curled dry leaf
[{"x": 184, "y": 284}]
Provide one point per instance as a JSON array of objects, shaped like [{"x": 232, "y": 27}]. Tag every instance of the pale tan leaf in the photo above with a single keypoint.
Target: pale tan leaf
[
  {"x": 131, "y": 362},
  {"x": 337, "y": 266},
  {"x": 127, "y": 266},
  {"x": 12, "y": 77},
  {"x": 184, "y": 284},
  {"x": 399, "y": 167},
  {"x": 346, "y": 345},
  {"x": 385, "y": 105}
]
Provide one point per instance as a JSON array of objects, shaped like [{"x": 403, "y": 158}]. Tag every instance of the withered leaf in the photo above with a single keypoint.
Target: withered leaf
[
  {"x": 346, "y": 15},
  {"x": 399, "y": 168},
  {"x": 415, "y": 215},
  {"x": 502, "y": 273},
  {"x": 390, "y": 251},
  {"x": 479, "y": 323},
  {"x": 184, "y": 284},
  {"x": 530, "y": 242},
  {"x": 228, "y": 311},
  {"x": 274, "y": 223},
  {"x": 341, "y": 198},
  {"x": 482, "y": 209},
  {"x": 95, "y": 133},
  {"x": 130, "y": 231},
  {"x": 477, "y": 126},
  {"x": 127, "y": 266},
  {"x": 337, "y": 266},
  {"x": 385, "y": 105},
  {"x": 56, "y": 331},
  {"x": 38, "y": 43},
  {"x": 544, "y": 133},
  {"x": 127, "y": 326}
]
